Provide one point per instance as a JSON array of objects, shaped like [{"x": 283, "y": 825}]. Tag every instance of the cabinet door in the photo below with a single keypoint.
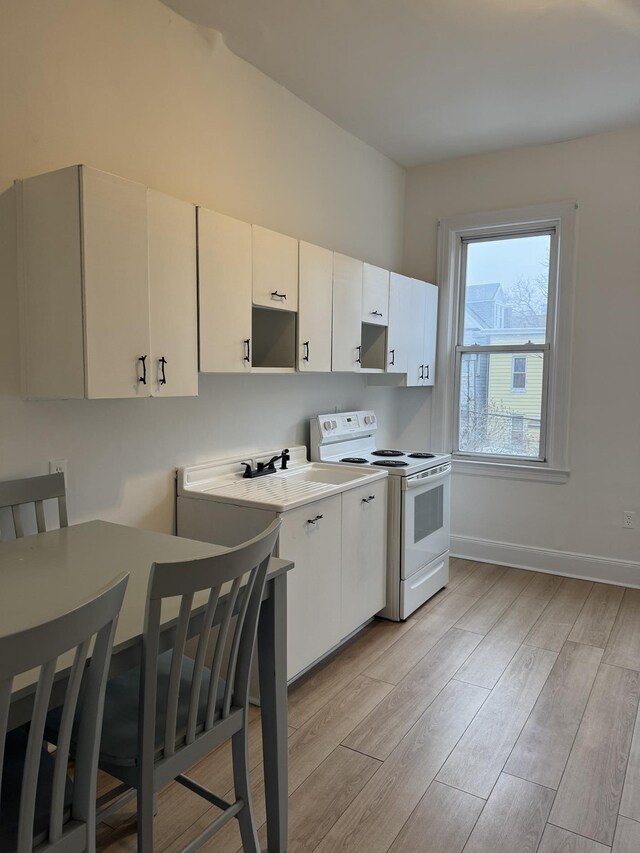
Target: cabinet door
[
  {"x": 364, "y": 532},
  {"x": 310, "y": 536},
  {"x": 275, "y": 269},
  {"x": 172, "y": 296},
  {"x": 415, "y": 333},
  {"x": 347, "y": 313},
  {"x": 430, "y": 329},
  {"x": 116, "y": 287},
  {"x": 399, "y": 323},
  {"x": 224, "y": 293},
  {"x": 375, "y": 295},
  {"x": 314, "y": 308}
]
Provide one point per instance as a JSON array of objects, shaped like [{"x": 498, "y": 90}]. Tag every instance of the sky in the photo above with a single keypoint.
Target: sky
[{"x": 505, "y": 261}]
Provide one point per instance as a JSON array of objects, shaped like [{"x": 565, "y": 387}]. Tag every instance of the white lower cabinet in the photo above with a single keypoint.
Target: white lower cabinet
[
  {"x": 338, "y": 545},
  {"x": 313, "y": 585},
  {"x": 364, "y": 526}
]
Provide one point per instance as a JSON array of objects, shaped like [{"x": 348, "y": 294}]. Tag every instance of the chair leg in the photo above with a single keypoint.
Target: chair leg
[
  {"x": 242, "y": 786},
  {"x": 145, "y": 811}
]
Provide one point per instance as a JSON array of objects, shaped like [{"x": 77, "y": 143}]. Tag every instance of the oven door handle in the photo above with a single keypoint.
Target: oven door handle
[{"x": 418, "y": 482}]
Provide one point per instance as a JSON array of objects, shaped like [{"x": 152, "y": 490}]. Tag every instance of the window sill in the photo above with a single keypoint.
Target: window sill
[{"x": 510, "y": 470}]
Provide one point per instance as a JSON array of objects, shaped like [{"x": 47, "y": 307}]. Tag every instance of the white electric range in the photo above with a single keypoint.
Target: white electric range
[{"x": 419, "y": 497}]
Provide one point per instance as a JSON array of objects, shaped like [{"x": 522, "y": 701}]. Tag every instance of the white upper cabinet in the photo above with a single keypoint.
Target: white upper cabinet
[
  {"x": 421, "y": 350},
  {"x": 224, "y": 272},
  {"x": 275, "y": 269},
  {"x": 314, "y": 308},
  {"x": 347, "y": 313},
  {"x": 172, "y": 296},
  {"x": 430, "y": 330},
  {"x": 415, "y": 333},
  {"x": 108, "y": 288},
  {"x": 399, "y": 322},
  {"x": 84, "y": 285},
  {"x": 375, "y": 295}
]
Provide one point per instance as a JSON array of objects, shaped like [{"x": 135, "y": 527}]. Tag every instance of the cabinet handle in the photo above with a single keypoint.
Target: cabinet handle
[
  {"x": 247, "y": 349},
  {"x": 143, "y": 378},
  {"x": 427, "y": 376},
  {"x": 421, "y": 372},
  {"x": 276, "y": 295},
  {"x": 314, "y": 520},
  {"x": 163, "y": 375},
  {"x": 369, "y": 499},
  {"x": 392, "y": 353},
  {"x": 306, "y": 351},
  {"x": 377, "y": 313},
  {"x": 359, "y": 351}
]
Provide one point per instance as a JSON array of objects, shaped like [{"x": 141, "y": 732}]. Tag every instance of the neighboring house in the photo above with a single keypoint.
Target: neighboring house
[{"x": 500, "y": 392}]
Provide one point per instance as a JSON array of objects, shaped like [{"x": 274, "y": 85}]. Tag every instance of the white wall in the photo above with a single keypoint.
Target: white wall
[
  {"x": 132, "y": 88},
  {"x": 602, "y": 173}
]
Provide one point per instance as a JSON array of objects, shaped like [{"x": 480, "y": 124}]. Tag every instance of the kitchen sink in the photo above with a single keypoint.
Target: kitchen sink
[
  {"x": 303, "y": 483},
  {"x": 332, "y": 476}
]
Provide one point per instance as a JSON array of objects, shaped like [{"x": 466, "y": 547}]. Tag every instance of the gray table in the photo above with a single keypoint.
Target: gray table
[{"x": 48, "y": 573}]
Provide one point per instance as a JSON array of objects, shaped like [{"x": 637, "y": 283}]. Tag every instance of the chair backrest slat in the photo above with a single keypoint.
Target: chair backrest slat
[
  {"x": 17, "y": 521},
  {"x": 41, "y": 646},
  {"x": 5, "y": 703},
  {"x": 198, "y": 663},
  {"x": 173, "y": 695},
  {"x": 246, "y": 563},
  {"x": 32, "y": 760},
  {"x": 221, "y": 644},
  {"x": 34, "y": 490},
  {"x": 235, "y": 645},
  {"x": 64, "y": 741},
  {"x": 40, "y": 522}
]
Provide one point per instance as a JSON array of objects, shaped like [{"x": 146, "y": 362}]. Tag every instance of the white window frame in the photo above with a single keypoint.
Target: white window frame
[{"x": 453, "y": 232}]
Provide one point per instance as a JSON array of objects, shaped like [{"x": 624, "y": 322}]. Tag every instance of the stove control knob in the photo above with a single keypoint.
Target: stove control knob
[
  {"x": 368, "y": 419},
  {"x": 334, "y": 425},
  {"x": 327, "y": 425}
]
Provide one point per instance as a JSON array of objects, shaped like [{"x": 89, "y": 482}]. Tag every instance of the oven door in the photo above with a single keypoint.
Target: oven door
[{"x": 426, "y": 515}]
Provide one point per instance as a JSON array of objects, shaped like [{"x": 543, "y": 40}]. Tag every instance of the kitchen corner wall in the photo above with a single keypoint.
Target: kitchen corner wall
[
  {"x": 132, "y": 88},
  {"x": 582, "y": 518}
]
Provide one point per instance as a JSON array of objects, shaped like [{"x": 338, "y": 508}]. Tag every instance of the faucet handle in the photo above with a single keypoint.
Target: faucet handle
[{"x": 248, "y": 474}]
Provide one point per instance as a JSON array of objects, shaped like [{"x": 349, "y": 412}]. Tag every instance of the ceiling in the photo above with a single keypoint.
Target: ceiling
[{"x": 424, "y": 80}]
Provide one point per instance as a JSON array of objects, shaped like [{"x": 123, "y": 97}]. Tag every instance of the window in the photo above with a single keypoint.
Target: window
[
  {"x": 519, "y": 373},
  {"x": 507, "y": 282}
]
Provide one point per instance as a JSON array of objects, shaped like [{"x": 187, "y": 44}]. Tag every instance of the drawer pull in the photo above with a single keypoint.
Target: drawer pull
[
  {"x": 377, "y": 313},
  {"x": 369, "y": 499},
  {"x": 276, "y": 295},
  {"x": 143, "y": 378},
  {"x": 314, "y": 520}
]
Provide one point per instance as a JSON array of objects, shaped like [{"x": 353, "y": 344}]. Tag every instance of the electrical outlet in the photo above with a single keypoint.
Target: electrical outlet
[
  {"x": 58, "y": 466},
  {"x": 629, "y": 519}
]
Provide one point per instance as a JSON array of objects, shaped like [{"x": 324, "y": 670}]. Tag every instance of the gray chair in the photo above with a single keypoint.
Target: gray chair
[
  {"x": 162, "y": 718},
  {"x": 40, "y": 808},
  {"x": 34, "y": 490}
]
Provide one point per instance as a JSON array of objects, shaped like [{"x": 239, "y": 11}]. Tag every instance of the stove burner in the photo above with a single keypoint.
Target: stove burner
[
  {"x": 355, "y": 460},
  {"x": 387, "y": 453},
  {"x": 390, "y": 463},
  {"x": 422, "y": 455}
]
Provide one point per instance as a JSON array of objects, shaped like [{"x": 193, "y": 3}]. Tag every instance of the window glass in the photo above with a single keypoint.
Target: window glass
[
  {"x": 506, "y": 290},
  {"x": 494, "y": 419}
]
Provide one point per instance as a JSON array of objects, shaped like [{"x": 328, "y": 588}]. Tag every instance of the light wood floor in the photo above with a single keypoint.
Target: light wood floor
[{"x": 501, "y": 718}]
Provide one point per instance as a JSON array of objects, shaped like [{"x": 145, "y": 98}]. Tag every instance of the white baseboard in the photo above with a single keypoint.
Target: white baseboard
[{"x": 583, "y": 566}]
